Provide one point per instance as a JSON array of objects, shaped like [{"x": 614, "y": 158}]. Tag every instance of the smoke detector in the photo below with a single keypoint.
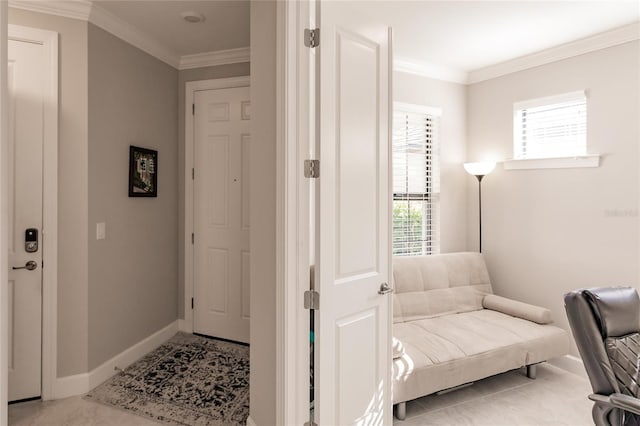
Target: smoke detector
[{"x": 192, "y": 17}]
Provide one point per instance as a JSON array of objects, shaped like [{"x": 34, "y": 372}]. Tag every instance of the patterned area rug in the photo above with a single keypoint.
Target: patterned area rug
[{"x": 190, "y": 380}]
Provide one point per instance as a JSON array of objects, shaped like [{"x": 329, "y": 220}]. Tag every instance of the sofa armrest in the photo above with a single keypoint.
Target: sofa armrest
[
  {"x": 398, "y": 348},
  {"x": 618, "y": 400},
  {"x": 517, "y": 309},
  {"x": 626, "y": 402}
]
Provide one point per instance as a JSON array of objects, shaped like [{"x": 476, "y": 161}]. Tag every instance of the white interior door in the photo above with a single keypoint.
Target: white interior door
[
  {"x": 26, "y": 108},
  {"x": 221, "y": 213},
  {"x": 353, "y": 253}
]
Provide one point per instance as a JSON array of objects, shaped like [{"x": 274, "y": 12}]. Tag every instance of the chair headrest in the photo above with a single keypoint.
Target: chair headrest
[{"x": 616, "y": 309}]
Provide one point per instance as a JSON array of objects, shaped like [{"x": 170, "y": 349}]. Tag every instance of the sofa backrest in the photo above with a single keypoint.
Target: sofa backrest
[{"x": 440, "y": 284}]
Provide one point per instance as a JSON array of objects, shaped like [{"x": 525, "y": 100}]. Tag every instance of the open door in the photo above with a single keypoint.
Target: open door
[{"x": 353, "y": 324}]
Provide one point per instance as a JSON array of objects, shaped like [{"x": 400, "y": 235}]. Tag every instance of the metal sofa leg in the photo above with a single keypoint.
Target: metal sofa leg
[
  {"x": 531, "y": 371},
  {"x": 401, "y": 410}
]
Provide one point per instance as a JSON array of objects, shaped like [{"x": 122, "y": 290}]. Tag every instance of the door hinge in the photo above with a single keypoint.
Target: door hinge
[
  {"x": 312, "y": 169},
  {"x": 312, "y": 37},
  {"x": 193, "y": 238},
  {"x": 193, "y": 109},
  {"x": 311, "y": 300},
  {"x": 193, "y": 174},
  {"x": 192, "y": 303}
]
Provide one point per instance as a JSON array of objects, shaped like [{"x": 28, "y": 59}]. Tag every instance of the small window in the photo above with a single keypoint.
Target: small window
[
  {"x": 555, "y": 126},
  {"x": 416, "y": 181}
]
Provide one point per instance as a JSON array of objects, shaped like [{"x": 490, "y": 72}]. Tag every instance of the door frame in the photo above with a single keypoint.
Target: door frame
[
  {"x": 293, "y": 237},
  {"x": 191, "y": 88},
  {"x": 49, "y": 40},
  {"x": 4, "y": 214}
]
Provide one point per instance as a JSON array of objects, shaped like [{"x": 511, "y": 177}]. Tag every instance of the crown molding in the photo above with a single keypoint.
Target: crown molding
[
  {"x": 127, "y": 32},
  {"x": 78, "y": 9},
  {"x": 85, "y": 10},
  {"x": 220, "y": 57},
  {"x": 603, "y": 40},
  {"x": 428, "y": 70}
]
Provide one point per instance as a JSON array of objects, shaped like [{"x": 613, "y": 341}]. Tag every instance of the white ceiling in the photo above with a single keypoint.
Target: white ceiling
[
  {"x": 460, "y": 36},
  {"x": 226, "y": 24},
  {"x": 469, "y": 35}
]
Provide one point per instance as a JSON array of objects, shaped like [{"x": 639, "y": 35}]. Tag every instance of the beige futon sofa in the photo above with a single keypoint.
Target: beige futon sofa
[{"x": 449, "y": 329}]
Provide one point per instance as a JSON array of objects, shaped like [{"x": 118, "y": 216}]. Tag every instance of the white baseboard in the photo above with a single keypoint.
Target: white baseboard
[
  {"x": 64, "y": 387},
  {"x": 185, "y": 326},
  {"x": 570, "y": 363},
  {"x": 82, "y": 383},
  {"x": 250, "y": 422}
]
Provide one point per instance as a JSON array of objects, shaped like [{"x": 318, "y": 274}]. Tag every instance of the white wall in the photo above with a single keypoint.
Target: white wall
[
  {"x": 546, "y": 232},
  {"x": 451, "y": 98}
]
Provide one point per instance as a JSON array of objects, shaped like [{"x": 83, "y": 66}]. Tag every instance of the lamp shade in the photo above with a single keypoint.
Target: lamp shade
[{"x": 479, "y": 169}]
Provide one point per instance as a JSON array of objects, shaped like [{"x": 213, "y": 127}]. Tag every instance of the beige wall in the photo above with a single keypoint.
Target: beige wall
[
  {"x": 133, "y": 273},
  {"x": 263, "y": 212},
  {"x": 546, "y": 232},
  {"x": 206, "y": 73},
  {"x": 73, "y": 187},
  {"x": 451, "y": 98}
]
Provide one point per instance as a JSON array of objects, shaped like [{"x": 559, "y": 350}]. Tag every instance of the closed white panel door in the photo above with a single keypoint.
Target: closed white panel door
[
  {"x": 353, "y": 377},
  {"x": 221, "y": 190},
  {"x": 26, "y": 77}
]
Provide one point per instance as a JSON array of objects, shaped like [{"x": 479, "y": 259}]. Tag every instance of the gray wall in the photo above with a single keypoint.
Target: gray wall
[
  {"x": 263, "y": 212},
  {"x": 206, "y": 73},
  {"x": 133, "y": 273},
  {"x": 126, "y": 97},
  {"x": 546, "y": 232},
  {"x": 452, "y": 99},
  {"x": 72, "y": 187}
]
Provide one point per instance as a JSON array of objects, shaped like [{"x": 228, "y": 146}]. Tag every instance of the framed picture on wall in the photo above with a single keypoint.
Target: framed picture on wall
[{"x": 143, "y": 172}]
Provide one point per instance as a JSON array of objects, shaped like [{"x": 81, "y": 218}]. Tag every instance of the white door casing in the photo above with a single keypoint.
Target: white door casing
[
  {"x": 48, "y": 238},
  {"x": 221, "y": 213},
  {"x": 26, "y": 103},
  {"x": 353, "y": 220},
  {"x": 4, "y": 212}
]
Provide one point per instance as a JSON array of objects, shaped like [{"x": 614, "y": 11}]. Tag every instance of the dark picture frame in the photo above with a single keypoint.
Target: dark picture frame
[{"x": 143, "y": 172}]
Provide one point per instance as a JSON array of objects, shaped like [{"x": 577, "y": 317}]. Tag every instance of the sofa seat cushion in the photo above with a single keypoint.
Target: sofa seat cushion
[{"x": 455, "y": 349}]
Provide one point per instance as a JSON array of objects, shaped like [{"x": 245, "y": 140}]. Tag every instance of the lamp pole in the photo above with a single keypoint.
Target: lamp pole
[
  {"x": 479, "y": 170},
  {"x": 479, "y": 177}
]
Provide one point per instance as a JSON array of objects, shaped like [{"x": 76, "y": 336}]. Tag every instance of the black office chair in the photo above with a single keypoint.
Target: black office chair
[{"x": 606, "y": 326}]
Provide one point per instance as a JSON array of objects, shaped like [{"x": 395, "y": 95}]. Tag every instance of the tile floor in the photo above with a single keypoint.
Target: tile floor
[
  {"x": 555, "y": 398},
  {"x": 73, "y": 411}
]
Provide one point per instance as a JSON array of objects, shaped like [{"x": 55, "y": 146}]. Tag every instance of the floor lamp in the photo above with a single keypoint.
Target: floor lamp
[{"x": 479, "y": 170}]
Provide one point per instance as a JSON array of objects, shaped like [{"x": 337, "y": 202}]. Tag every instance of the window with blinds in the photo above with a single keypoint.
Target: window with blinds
[
  {"x": 416, "y": 183},
  {"x": 554, "y": 126}
]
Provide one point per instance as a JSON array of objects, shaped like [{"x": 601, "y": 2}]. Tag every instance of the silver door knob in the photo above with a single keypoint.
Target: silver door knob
[
  {"x": 385, "y": 289},
  {"x": 29, "y": 266}
]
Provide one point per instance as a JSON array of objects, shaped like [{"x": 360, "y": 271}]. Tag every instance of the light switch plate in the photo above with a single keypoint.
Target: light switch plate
[{"x": 101, "y": 231}]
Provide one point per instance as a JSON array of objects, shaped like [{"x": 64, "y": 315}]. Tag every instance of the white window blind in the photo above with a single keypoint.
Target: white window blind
[
  {"x": 555, "y": 126},
  {"x": 416, "y": 184}
]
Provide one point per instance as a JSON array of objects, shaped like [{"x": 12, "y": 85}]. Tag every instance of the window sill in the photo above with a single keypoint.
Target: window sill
[{"x": 553, "y": 163}]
